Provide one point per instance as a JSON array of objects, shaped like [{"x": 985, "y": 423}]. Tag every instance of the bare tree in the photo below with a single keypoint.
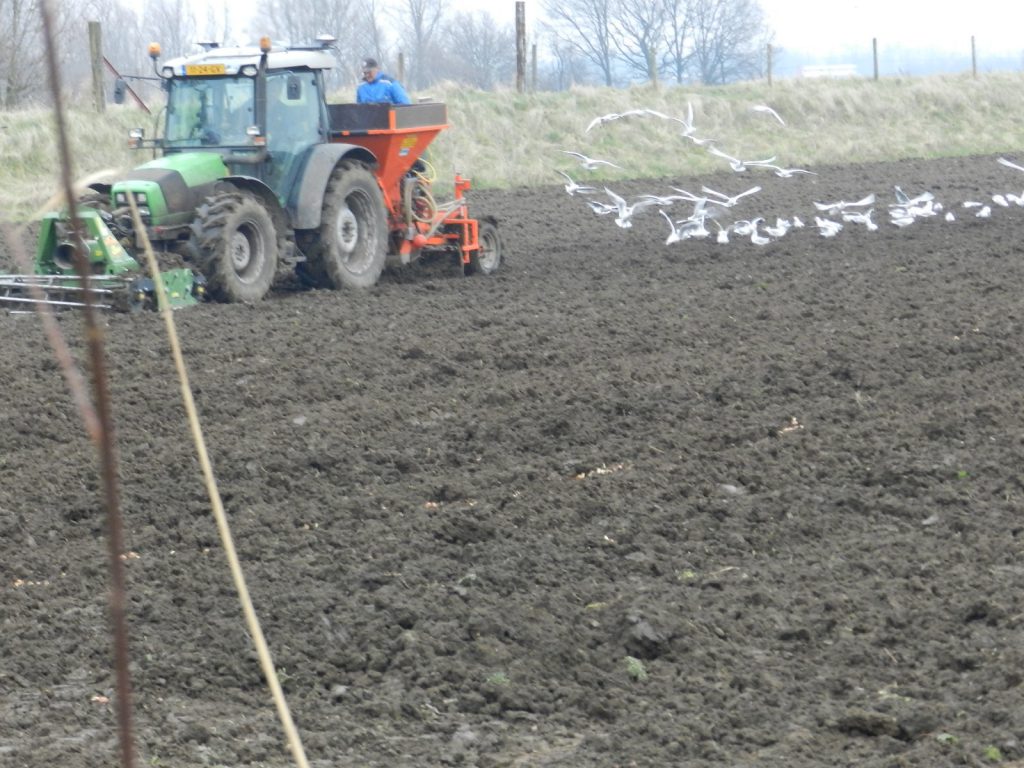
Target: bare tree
[
  {"x": 566, "y": 68},
  {"x": 587, "y": 26},
  {"x": 420, "y": 21},
  {"x": 486, "y": 51},
  {"x": 638, "y": 28},
  {"x": 170, "y": 22},
  {"x": 728, "y": 37},
  {"x": 22, "y": 55},
  {"x": 678, "y": 38}
]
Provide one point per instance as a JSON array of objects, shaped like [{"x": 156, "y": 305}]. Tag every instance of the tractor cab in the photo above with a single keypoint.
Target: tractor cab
[{"x": 262, "y": 110}]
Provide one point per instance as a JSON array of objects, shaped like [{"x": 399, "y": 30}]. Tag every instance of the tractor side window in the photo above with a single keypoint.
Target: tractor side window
[
  {"x": 293, "y": 111},
  {"x": 293, "y": 124}
]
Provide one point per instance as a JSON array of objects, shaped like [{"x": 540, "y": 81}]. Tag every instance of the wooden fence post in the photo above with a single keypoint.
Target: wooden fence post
[
  {"x": 874, "y": 54},
  {"x": 533, "y": 68},
  {"x": 769, "y": 69},
  {"x": 401, "y": 67},
  {"x": 974, "y": 60},
  {"x": 520, "y": 46},
  {"x": 96, "y": 57}
]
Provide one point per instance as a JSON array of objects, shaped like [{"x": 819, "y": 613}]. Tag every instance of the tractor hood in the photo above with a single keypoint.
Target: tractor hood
[{"x": 169, "y": 189}]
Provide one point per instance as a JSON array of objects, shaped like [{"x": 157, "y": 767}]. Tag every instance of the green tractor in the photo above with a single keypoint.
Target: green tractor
[{"x": 255, "y": 171}]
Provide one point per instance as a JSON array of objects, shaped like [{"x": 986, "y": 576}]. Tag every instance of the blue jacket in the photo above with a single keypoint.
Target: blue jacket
[{"x": 382, "y": 90}]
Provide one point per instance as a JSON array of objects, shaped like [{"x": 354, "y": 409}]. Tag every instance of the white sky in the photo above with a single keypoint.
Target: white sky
[{"x": 821, "y": 26}]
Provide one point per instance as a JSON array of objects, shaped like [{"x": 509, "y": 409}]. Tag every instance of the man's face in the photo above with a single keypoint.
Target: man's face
[{"x": 369, "y": 74}]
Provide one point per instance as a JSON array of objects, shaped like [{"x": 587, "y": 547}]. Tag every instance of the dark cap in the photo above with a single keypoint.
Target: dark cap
[{"x": 369, "y": 63}]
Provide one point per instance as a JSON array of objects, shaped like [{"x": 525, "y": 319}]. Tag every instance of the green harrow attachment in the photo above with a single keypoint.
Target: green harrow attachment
[{"x": 116, "y": 281}]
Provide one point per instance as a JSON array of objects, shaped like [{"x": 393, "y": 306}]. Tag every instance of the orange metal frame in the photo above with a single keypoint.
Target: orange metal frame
[{"x": 397, "y": 150}]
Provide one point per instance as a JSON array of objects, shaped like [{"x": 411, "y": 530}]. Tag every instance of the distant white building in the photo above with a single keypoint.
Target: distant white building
[{"x": 828, "y": 70}]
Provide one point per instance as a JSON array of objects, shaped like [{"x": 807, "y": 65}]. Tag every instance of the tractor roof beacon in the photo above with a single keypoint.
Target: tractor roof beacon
[{"x": 255, "y": 171}]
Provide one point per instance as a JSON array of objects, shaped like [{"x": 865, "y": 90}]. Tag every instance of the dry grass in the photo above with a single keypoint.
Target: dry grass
[{"x": 506, "y": 139}]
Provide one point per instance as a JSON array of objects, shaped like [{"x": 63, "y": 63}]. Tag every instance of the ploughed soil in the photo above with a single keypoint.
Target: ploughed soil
[{"x": 621, "y": 504}]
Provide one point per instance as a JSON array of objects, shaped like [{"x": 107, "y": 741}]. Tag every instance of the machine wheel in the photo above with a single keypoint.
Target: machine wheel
[
  {"x": 353, "y": 230},
  {"x": 486, "y": 260},
  {"x": 237, "y": 246}
]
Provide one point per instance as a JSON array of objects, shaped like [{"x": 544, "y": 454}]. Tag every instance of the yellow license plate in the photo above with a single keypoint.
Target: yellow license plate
[{"x": 204, "y": 69}]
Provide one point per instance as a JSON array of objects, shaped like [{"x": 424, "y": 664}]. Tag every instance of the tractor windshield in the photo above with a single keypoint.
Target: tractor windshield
[{"x": 210, "y": 111}]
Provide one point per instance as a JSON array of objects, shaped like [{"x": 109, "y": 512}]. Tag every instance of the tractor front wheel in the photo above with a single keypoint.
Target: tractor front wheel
[
  {"x": 237, "y": 246},
  {"x": 487, "y": 259},
  {"x": 353, "y": 230}
]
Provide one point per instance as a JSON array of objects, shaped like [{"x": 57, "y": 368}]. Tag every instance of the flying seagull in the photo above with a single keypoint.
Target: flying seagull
[
  {"x": 842, "y": 204},
  {"x": 786, "y": 173},
  {"x": 589, "y": 163},
  {"x": 770, "y": 111},
  {"x": 573, "y": 188},
  {"x": 735, "y": 163},
  {"x": 625, "y": 210},
  {"x": 614, "y": 116},
  {"x": 726, "y": 200},
  {"x": 1008, "y": 164}
]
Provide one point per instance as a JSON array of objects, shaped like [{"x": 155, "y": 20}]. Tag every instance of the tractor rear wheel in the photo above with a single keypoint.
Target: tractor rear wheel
[
  {"x": 353, "y": 230},
  {"x": 237, "y": 246},
  {"x": 487, "y": 259}
]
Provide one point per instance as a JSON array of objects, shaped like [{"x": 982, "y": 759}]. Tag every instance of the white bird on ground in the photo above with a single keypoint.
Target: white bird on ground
[
  {"x": 781, "y": 227},
  {"x": 950, "y": 216},
  {"x": 723, "y": 233},
  {"x": 744, "y": 227},
  {"x": 1008, "y": 164},
  {"x": 903, "y": 199},
  {"x": 573, "y": 188},
  {"x": 727, "y": 201},
  {"x": 1000, "y": 200},
  {"x": 768, "y": 110},
  {"x": 827, "y": 227},
  {"x": 797, "y": 223},
  {"x": 756, "y": 237},
  {"x": 918, "y": 210},
  {"x": 590, "y": 163},
  {"x": 971, "y": 204},
  {"x": 984, "y": 212},
  {"x": 861, "y": 217},
  {"x": 675, "y": 230},
  {"x": 684, "y": 229},
  {"x": 842, "y": 204},
  {"x": 1015, "y": 199},
  {"x": 735, "y": 163},
  {"x": 624, "y": 209}
]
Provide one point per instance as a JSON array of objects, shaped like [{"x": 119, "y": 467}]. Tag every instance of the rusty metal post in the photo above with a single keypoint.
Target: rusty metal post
[
  {"x": 520, "y": 46},
  {"x": 96, "y": 58}
]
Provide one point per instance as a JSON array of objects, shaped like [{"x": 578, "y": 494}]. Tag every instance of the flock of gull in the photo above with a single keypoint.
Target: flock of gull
[{"x": 708, "y": 207}]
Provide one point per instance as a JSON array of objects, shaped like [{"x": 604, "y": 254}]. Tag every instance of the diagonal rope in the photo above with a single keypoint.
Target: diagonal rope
[{"x": 251, "y": 620}]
